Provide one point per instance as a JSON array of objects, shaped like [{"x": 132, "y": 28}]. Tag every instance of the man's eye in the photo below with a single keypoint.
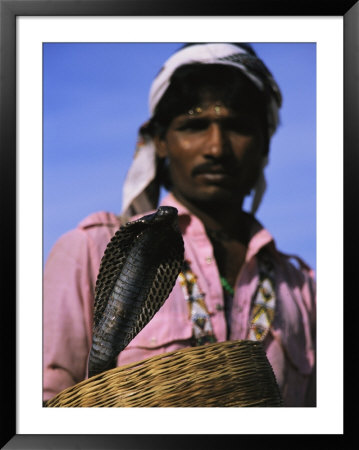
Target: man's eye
[
  {"x": 193, "y": 125},
  {"x": 240, "y": 126}
]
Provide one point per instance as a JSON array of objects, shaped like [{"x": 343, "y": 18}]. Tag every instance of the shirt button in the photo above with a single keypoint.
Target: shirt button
[
  {"x": 219, "y": 307},
  {"x": 153, "y": 340},
  {"x": 209, "y": 260}
]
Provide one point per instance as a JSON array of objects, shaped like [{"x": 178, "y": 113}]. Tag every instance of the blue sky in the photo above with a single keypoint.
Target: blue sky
[{"x": 95, "y": 98}]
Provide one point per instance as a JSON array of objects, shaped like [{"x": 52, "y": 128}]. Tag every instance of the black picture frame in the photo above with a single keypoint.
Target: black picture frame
[{"x": 9, "y": 10}]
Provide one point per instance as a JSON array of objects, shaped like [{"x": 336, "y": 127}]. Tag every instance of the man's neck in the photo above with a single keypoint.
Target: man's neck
[{"x": 225, "y": 218}]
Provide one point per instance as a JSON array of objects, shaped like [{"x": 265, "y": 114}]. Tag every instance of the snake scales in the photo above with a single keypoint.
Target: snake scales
[{"x": 137, "y": 273}]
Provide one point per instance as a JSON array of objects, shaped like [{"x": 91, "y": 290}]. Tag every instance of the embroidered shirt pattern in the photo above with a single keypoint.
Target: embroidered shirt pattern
[
  {"x": 262, "y": 305},
  {"x": 263, "y": 301},
  {"x": 197, "y": 309}
]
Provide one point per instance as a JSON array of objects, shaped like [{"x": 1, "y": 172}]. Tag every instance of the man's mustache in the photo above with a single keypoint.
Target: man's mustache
[{"x": 215, "y": 167}]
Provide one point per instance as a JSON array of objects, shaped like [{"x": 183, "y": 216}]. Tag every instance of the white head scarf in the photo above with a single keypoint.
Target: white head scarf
[{"x": 143, "y": 169}]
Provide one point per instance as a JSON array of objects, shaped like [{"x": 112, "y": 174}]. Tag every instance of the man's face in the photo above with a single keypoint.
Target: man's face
[{"x": 214, "y": 153}]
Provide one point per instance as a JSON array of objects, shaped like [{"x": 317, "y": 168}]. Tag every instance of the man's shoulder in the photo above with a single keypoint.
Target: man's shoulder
[
  {"x": 296, "y": 267},
  {"x": 97, "y": 228},
  {"x": 99, "y": 219}
]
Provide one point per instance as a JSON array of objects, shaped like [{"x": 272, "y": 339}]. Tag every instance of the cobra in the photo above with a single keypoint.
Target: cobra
[{"x": 137, "y": 273}]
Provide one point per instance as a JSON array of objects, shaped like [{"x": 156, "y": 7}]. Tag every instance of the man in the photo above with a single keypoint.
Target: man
[{"x": 214, "y": 108}]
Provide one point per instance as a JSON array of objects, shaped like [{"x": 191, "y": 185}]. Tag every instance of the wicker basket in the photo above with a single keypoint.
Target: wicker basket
[{"x": 231, "y": 373}]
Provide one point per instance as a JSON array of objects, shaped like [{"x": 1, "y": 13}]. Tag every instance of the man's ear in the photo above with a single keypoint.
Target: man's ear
[
  {"x": 266, "y": 146},
  {"x": 161, "y": 147}
]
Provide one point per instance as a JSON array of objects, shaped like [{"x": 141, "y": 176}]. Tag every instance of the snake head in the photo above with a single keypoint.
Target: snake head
[{"x": 166, "y": 215}]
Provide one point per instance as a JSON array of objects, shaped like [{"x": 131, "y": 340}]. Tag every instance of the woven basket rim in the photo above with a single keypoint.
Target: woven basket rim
[{"x": 230, "y": 371}]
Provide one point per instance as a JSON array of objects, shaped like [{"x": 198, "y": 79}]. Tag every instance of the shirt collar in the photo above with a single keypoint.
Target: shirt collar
[
  {"x": 170, "y": 200},
  {"x": 260, "y": 237}
]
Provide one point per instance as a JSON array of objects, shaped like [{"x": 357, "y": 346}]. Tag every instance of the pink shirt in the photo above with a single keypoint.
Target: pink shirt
[{"x": 69, "y": 280}]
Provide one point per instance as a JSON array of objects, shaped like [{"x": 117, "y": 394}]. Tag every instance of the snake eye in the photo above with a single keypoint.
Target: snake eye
[{"x": 166, "y": 212}]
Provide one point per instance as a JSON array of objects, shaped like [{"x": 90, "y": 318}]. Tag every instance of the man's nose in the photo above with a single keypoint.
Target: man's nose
[{"x": 217, "y": 142}]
